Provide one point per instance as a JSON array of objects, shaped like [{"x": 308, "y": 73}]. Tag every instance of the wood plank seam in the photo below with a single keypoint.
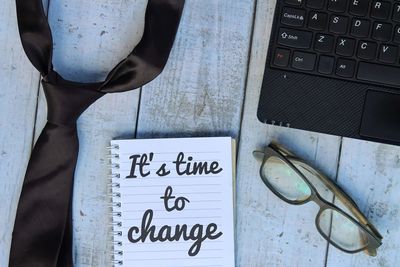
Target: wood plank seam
[
  {"x": 36, "y": 112},
  {"x": 247, "y": 74},
  {"x": 138, "y": 112},
  {"x": 335, "y": 179}
]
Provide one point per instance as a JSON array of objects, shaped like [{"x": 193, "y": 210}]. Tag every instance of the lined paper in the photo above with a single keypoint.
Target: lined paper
[{"x": 210, "y": 201}]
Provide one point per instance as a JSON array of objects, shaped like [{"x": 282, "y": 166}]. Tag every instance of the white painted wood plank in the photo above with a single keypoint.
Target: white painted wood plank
[
  {"x": 18, "y": 100},
  {"x": 269, "y": 231},
  {"x": 90, "y": 38},
  {"x": 201, "y": 90},
  {"x": 370, "y": 173}
]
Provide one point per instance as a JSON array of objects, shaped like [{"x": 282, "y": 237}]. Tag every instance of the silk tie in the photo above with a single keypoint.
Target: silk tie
[{"x": 42, "y": 235}]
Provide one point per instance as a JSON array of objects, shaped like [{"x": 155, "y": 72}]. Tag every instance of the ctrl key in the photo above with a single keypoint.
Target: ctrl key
[
  {"x": 303, "y": 61},
  {"x": 281, "y": 57}
]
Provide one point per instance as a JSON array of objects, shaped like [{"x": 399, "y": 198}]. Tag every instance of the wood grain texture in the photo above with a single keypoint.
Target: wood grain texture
[
  {"x": 201, "y": 90},
  {"x": 269, "y": 231},
  {"x": 370, "y": 173},
  {"x": 18, "y": 100}
]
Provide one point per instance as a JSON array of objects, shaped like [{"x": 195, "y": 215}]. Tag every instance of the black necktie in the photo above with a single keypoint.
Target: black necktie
[{"x": 42, "y": 233}]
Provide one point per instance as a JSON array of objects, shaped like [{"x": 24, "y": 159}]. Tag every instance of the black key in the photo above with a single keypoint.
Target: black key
[
  {"x": 337, "y": 5},
  {"x": 379, "y": 73},
  {"x": 345, "y": 47},
  {"x": 366, "y": 50},
  {"x": 380, "y": 9},
  {"x": 359, "y": 7},
  {"x": 388, "y": 54},
  {"x": 397, "y": 35},
  {"x": 294, "y": 38},
  {"x": 324, "y": 43},
  {"x": 294, "y": 2},
  {"x": 326, "y": 64},
  {"x": 338, "y": 24},
  {"x": 293, "y": 16},
  {"x": 317, "y": 20},
  {"x": 316, "y": 4},
  {"x": 360, "y": 28},
  {"x": 303, "y": 61},
  {"x": 382, "y": 31},
  {"x": 345, "y": 67},
  {"x": 396, "y": 12},
  {"x": 281, "y": 57}
]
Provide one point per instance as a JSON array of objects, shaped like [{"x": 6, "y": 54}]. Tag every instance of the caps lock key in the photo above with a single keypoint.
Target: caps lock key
[{"x": 293, "y": 17}]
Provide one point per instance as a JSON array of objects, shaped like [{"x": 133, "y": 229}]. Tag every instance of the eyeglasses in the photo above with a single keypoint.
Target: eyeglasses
[{"x": 342, "y": 224}]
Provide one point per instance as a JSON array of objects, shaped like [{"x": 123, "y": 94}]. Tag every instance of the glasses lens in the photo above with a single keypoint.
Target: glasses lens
[
  {"x": 285, "y": 180},
  {"x": 314, "y": 179},
  {"x": 344, "y": 232}
]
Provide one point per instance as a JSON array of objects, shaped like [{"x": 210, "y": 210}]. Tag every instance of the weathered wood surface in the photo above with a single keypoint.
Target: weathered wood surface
[
  {"x": 269, "y": 231},
  {"x": 370, "y": 173},
  {"x": 18, "y": 102},
  {"x": 201, "y": 92}
]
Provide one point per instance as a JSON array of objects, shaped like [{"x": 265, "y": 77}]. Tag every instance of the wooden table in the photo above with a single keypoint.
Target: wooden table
[{"x": 210, "y": 87}]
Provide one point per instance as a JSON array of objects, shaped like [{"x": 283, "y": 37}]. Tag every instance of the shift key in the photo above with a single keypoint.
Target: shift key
[{"x": 294, "y": 38}]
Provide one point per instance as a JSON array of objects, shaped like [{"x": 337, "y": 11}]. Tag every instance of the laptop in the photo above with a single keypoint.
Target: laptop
[{"x": 333, "y": 66}]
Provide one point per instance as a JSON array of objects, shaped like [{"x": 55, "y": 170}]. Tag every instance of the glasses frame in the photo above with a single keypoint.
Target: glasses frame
[{"x": 374, "y": 237}]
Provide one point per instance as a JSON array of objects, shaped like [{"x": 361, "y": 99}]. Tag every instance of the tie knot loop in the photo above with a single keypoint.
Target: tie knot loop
[{"x": 66, "y": 100}]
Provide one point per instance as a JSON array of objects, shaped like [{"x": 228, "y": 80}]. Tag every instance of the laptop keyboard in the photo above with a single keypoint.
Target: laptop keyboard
[{"x": 354, "y": 40}]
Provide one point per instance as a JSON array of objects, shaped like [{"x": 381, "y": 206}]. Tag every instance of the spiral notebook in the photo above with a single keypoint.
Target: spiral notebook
[{"x": 173, "y": 202}]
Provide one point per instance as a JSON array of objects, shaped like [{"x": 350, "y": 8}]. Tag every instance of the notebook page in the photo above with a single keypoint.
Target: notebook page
[{"x": 177, "y": 203}]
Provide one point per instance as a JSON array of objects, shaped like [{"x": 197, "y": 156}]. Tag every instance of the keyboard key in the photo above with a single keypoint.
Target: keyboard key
[
  {"x": 397, "y": 35},
  {"x": 379, "y": 73},
  {"x": 293, "y": 16},
  {"x": 360, "y": 28},
  {"x": 337, "y": 5},
  {"x": 317, "y": 20},
  {"x": 294, "y": 2},
  {"x": 380, "y": 9},
  {"x": 303, "y": 61},
  {"x": 316, "y": 4},
  {"x": 281, "y": 57},
  {"x": 324, "y": 43},
  {"x": 345, "y": 47},
  {"x": 396, "y": 12},
  {"x": 345, "y": 67},
  {"x": 294, "y": 38},
  {"x": 366, "y": 50},
  {"x": 359, "y": 7},
  {"x": 388, "y": 54},
  {"x": 382, "y": 31},
  {"x": 326, "y": 64},
  {"x": 338, "y": 24}
]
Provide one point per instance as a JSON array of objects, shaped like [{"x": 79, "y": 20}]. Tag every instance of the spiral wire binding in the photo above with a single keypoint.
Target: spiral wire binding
[{"x": 115, "y": 205}]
